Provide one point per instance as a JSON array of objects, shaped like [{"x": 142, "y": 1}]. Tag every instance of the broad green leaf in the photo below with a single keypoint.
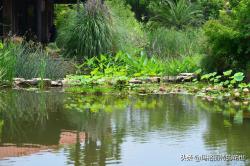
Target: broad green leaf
[{"x": 227, "y": 73}]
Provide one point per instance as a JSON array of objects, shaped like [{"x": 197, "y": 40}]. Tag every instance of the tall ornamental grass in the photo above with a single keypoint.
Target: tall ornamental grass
[
  {"x": 128, "y": 33},
  {"x": 29, "y": 60},
  {"x": 170, "y": 43},
  {"x": 7, "y": 61},
  {"x": 87, "y": 33}
]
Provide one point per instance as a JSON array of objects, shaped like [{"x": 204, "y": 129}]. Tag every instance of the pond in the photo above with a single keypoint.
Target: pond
[{"x": 58, "y": 128}]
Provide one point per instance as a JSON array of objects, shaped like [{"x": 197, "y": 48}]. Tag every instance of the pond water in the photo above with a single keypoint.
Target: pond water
[{"x": 56, "y": 128}]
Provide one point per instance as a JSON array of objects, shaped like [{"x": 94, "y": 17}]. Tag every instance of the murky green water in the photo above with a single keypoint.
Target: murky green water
[{"x": 56, "y": 129}]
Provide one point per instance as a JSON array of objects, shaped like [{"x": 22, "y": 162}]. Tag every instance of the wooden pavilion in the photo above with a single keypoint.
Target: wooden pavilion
[{"x": 17, "y": 17}]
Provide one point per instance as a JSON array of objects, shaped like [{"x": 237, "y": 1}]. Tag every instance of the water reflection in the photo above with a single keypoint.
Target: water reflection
[{"x": 109, "y": 129}]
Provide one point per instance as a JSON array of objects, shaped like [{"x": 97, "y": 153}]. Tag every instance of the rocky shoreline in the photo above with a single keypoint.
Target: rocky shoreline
[{"x": 45, "y": 82}]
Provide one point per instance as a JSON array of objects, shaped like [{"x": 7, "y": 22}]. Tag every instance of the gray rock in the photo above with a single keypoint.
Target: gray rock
[
  {"x": 65, "y": 82},
  {"x": 18, "y": 79},
  {"x": 188, "y": 74},
  {"x": 153, "y": 80},
  {"x": 168, "y": 79},
  {"x": 246, "y": 90},
  {"x": 38, "y": 81},
  {"x": 32, "y": 82},
  {"x": 17, "y": 82},
  {"x": 57, "y": 83},
  {"x": 186, "y": 77},
  {"x": 135, "y": 81}
]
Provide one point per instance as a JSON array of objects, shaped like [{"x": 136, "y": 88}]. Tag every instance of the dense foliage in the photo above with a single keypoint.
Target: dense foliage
[
  {"x": 139, "y": 38},
  {"x": 211, "y": 8},
  {"x": 228, "y": 39},
  {"x": 128, "y": 33},
  {"x": 178, "y": 14}
]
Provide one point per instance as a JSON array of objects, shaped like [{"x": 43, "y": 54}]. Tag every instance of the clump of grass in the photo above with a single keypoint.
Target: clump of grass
[
  {"x": 88, "y": 32},
  {"x": 30, "y": 60},
  {"x": 128, "y": 33},
  {"x": 170, "y": 43},
  {"x": 7, "y": 61}
]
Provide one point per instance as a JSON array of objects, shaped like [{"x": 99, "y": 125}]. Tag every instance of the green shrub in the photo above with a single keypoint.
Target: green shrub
[
  {"x": 228, "y": 40},
  {"x": 211, "y": 8},
  {"x": 165, "y": 43},
  {"x": 62, "y": 14},
  {"x": 87, "y": 33},
  {"x": 127, "y": 31}
]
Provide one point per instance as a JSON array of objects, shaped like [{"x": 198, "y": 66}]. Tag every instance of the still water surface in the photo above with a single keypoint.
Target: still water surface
[{"x": 57, "y": 129}]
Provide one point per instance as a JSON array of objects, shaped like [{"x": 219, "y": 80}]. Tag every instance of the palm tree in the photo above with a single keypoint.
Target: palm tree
[{"x": 178, "y": 14}]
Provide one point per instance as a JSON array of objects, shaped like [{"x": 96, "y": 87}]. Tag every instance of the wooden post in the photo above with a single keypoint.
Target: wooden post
[
  {"x": 78, "y": 6},
  {"x": 7, "y": 16},
  {"x": 39, "y": 20}
]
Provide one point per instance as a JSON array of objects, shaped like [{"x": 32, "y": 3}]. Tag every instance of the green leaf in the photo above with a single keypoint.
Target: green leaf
[
  {"x": 218, "y": 77},
  {"x": 226, "y": 82},
  {"x": 238, "y": 76},
  {"x": 214, "y": 74},
  {"x": 232, "y": 82},
  {"x": 227, "y": 73},
  {"x": 198, "y": 71}
]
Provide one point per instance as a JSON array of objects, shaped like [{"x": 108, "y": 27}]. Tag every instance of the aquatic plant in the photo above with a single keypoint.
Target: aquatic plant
[
  {"x": 182, "y": 64},
  {"x": 121, "y": 67},
  {"x": 228, "y": 79}
]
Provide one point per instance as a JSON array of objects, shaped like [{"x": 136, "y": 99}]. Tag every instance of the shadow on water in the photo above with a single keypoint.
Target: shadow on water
[{"x": 93, "y": 129}]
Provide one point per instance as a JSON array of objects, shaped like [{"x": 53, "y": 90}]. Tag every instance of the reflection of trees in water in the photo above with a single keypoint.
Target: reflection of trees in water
[
  {"x": 223, "y": 130},
  {"x": 22, "y": 111},
  {"x": 101, "y": 144},
  {"x": 234, "y": 139},
  {"x": 106, "y": 130},
  {"x": 168, "y": 113},
  {"x": 39, "y": 118}
]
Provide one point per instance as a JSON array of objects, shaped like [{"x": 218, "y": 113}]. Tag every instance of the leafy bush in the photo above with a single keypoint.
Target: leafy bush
[
  {"x": 62, "y": 14},
  {"x": 165, "y": 43},
  {"x": 127, "y": 31},
  {"x": 228, "y": 40},
  {"x": 183, "y": 64},
  {"x": 177, "y": 14},
  {"x": 87, "y": 33}
]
